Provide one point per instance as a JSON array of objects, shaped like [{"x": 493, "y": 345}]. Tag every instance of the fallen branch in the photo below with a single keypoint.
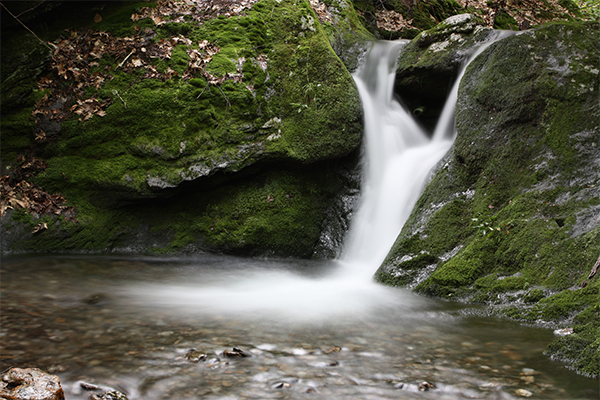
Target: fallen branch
[
  {"x": 25, "y": 26},
  {"x": 595, "y": 268},
  {"x": 32, "y": 8},
  {"x": 116, "y": 93},
  {"x": 205, "y": 87},
  {"x": 226, "y": 99}
]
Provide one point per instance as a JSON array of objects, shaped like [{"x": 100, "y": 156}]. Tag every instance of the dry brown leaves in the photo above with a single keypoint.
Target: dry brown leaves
[
  {"x": 167, "y": 11},
  {"x": 392, "y": 21},
  {"x": 525, "y": 12},
  {"x": 75, "y": 62},
  {"x": 76, "y": 58},
  {"x": 17, "y": 193},
  {"x": 321, "y": 10}
]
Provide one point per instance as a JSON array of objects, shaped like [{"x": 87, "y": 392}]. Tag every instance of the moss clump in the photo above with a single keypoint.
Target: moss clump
[
  {"x": 582, "y": 348},
  {"x": 281, "y": 213},
  {"x": 505, "y": 21},
  {"x": 282, "y": 76},
  {"x": 534, "y": 295}
]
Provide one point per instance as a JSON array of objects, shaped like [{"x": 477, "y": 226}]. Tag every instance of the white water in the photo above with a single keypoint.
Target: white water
[{"x": 398, "y": 159}]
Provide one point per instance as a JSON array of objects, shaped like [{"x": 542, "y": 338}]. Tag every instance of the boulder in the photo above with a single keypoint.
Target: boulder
[
  {"x": 429, "y": 64},
  {"x": 514, "y": 205},
  {"x": 228, "y": 131},
  {"x": 30, "y": 384}
]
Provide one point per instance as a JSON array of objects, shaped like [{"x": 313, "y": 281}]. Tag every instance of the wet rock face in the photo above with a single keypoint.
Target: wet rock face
[
  {"x": 30, "y": 384},
  {"x": 509, "y": 217},
  {"x": 430, "y": 63}
]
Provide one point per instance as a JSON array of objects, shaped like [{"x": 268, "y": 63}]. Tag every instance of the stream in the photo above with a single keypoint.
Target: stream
[{"x": 129, "y": 322}]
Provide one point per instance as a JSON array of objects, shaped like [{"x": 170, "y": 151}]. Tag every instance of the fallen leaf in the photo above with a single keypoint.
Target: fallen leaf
[{"x": 40, "y": 227}]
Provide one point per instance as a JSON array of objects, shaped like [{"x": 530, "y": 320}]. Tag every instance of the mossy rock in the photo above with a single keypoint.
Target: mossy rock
[
  {"x": 511, "y": 214},
  {"x": 430, "y": 63},
  {"x": 283, "y": 100}
]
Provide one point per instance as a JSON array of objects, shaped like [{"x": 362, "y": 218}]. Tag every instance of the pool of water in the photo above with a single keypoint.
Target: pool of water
[{"x": 309, "y": 329}]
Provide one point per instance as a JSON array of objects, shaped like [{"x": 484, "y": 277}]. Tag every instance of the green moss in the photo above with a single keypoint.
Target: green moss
[
  {"x": 503, "y": 20},
  {"x": 274, "y": 214},
  {"x": 534, "y": 295},
  {"x": 429, "y": 13},
  {"x": 582, "y": 348}
]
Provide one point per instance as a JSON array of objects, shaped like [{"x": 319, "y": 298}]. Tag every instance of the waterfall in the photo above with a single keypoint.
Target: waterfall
[{"x": 398, "y": 157}]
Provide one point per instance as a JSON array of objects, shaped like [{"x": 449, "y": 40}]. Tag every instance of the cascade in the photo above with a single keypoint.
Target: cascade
[{"x": 398, "y": 158}]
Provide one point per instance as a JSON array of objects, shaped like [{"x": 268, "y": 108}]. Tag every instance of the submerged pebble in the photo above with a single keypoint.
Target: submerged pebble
[{"x": 523, "y": 393}]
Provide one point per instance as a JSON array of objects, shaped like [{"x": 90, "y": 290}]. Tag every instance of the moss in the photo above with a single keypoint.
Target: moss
[
  {"x": 162, "y": 137},
  {"x": 534, "y": 295},
  {"x": 505, "y": 21},
  {"x": 217, "y": 123},
  {"x": 429, "y": 13},
  {"x": 276, "y": 214},
  {"x": 580, "y": 350}
]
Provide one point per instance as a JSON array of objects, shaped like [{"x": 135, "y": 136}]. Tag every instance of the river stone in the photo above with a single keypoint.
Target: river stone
[{"x": 30, "y": 384}]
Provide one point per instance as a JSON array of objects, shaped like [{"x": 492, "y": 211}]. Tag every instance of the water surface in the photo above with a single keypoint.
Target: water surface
[{"x": 128, "y": 323}]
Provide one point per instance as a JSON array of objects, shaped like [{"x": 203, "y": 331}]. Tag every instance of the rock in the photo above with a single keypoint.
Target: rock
[
  {"x": 236, "y": 353},
  {"x": 523, "y": 393},
  {"x": 563, "y": 331},
  {"x": 205, "y": 150},
  {"x": 527, "y": 144},
  {"x": 110, "y": 395},
  {"x": 195, "y": 356},
  {"x": 281, "y": 385},
  {"x": 432, "y": 60},
  {"x": 332, "y": 350},
  {"x": 30, "y": 384},
  {"x": 425, "y": 386}
]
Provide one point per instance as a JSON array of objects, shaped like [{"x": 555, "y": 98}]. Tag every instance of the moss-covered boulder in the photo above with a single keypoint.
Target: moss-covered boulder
[
  {"x": 431, "y": 62},
  {"x": 511, "y": 216},
  {"x": 167, "y": 125}
]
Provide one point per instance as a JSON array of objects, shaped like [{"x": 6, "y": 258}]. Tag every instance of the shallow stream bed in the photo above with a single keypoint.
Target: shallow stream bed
[{"x": 309, "y": 331}]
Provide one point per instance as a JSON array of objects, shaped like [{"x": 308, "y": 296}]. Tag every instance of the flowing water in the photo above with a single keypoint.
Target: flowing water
[{"x": 311, "y": 329}]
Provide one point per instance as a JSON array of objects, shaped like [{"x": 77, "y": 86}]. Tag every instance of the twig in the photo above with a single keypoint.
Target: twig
[
  {"x": 594, "y": 269},
  {"x": 226, "y": 99},
  {"x": 115, "y": 92},
  {"x": 32, "y": 8},
  {"x": 205, "y": 87},
  {"x": 6, "y": 370},
  {"x": 126, "y": 58},
  {"x": 592, "y": 272},
  {"x": 25, "y": 26}
]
